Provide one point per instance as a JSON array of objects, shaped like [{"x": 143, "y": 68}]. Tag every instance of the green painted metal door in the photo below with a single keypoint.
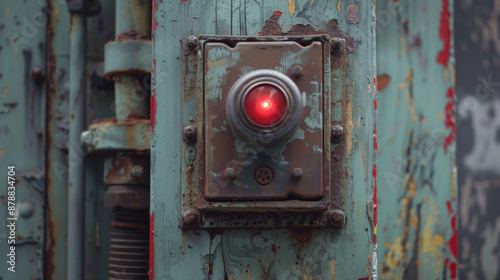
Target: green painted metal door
[{"x": 286, "y": 253}]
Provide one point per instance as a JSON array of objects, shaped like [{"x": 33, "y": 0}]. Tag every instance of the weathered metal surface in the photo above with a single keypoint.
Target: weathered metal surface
[
  {"x": 127, "y": 57},
  {"x": 260, "y": 253},
  {"x": 194, "y": 191},
  {"x": 57, "y": 139},
  {"x": 77, "y": 123},
  {"x": 126, "y": 169},
  {"x": 417, "y": 197},
  {"x": 304, "y": 148},
  {"x": 130, "y": 197},
  {"x": 478, "y": 137},
  {"x": 23, "y": 132},
  {"x": 110, "y": 134}
]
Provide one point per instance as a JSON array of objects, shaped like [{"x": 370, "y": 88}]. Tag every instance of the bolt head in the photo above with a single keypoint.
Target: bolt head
[
  {"x": 191, "y": 217},
  {"x": 230, "y": 173},
  {"x": 192, "y": 42},
  {"x": 337, "y": 133},
  {"x": 335, "y": 218},
  {"x": 189, "y": 134},
  {"x": 136, "y": 171},
  {"x": 297, "y": 173}
]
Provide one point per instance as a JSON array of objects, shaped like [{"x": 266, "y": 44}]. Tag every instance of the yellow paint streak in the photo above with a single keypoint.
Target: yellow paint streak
[
  {"x": 1, "y": 153},
  {"x": 291, "y": 7},
  {"x": 332, "y": 268},
  {"x": 248, "y": 274},
  {"x": 349, "y": 126},
  {"x": 230, "y": 277},
  {"x": 8, "y": 12},
  {"x": 338, "y": 6},
  {"x": 440, "y": 115},
  {"x": 431, "y": 243},
  {"x": 410, "y": 99}
]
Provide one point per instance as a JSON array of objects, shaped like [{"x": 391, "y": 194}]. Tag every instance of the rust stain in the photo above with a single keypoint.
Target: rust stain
[
  {"x": 383, "y": 82},
  {"x": 271, "y": 26},
  {"x": 332, "y": 268},
  {"x": 352, "y": 14},
  {"x": 50, "y": 106},
  {"x": 302, "y": 235}
]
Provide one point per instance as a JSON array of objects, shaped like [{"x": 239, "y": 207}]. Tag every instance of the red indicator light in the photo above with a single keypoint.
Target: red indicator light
[{"x": 265, "y": 105}]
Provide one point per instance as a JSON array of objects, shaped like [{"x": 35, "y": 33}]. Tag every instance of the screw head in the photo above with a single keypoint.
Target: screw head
[
  {"x": 230, "y": 173},
  {"x": 297, "y": 71},
  {"x": 297, "y": 173},
  {"x": 192, "y": 42},
  {"x": 189, "y": 134},
  {"x": 337, "y": 133}
]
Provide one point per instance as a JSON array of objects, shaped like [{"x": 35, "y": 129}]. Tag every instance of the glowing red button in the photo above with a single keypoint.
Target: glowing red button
[{"x": 265, "y": 105}]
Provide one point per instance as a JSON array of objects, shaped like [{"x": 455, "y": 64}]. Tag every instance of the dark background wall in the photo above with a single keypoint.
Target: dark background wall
[{"x": 477, "y": 46}]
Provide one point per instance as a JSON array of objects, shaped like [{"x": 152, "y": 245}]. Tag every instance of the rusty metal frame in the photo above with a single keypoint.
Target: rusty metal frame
[{"x": 200, "y": 213}]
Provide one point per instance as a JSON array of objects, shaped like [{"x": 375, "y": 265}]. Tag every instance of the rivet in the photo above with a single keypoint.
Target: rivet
[
  {"x": 26, "y": 209},
  {"x": 297, "y": 173},
  {"x": 297, "y": 71},
  {"x": 230, "y": 173},
  {"x": 136, "y": 171}
]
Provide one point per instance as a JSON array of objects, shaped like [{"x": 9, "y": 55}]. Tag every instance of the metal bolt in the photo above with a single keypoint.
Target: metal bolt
[
  {"x": 230, "y": 173},
  {"x": 37, "y": 75},
  {"x": 335, "y": 218},
  {"x": 191, "y": 217},
  {"x": 192, "y": 42},
  {"x": 337, "y": 133},
  {"x": 297, "y": 71},
  {"x": 189, "y": 134},
  {"x": 136, "y": 171},
  {"x": 26, "y": 209},
  {"x": 336, "y": 47},
  {"x": 297, "y": 173}
]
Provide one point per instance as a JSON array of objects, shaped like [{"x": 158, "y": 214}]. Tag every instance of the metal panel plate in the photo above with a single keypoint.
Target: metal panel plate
[{"x": 223, "y": 66}]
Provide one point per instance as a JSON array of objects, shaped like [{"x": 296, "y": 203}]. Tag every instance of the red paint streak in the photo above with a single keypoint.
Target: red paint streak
[
  {"x": 364, "y": 278},
  {"x": 453, "y": 270},
  {"x": 375, "y": 202},
  {"x": 153, "y": 111},
  {"x": 278, "y": 13},
  {"x": 449, "y": 120},
  {"x": 450, "y": 209},
  {"x": 151, "y": 247},
  {"x": 444, "y": 34},
  {"x": 375, "y": 104},
  {"x": 453, "y": 242},
  {"x": 154, "y": 24},
  {"x": 184, "y": 0}
]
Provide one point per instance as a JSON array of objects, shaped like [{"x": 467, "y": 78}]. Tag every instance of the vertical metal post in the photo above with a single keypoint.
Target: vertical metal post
[{"x": 76, "y": 184}]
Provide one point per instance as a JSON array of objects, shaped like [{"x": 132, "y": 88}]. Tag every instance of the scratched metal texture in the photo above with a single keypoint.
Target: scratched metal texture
[
  {"x": 349, "y": 253},
  {"x": 478, "y": 137},
  {"x": 417, "y": 196},
  {"x": 22, "y": 136}
]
